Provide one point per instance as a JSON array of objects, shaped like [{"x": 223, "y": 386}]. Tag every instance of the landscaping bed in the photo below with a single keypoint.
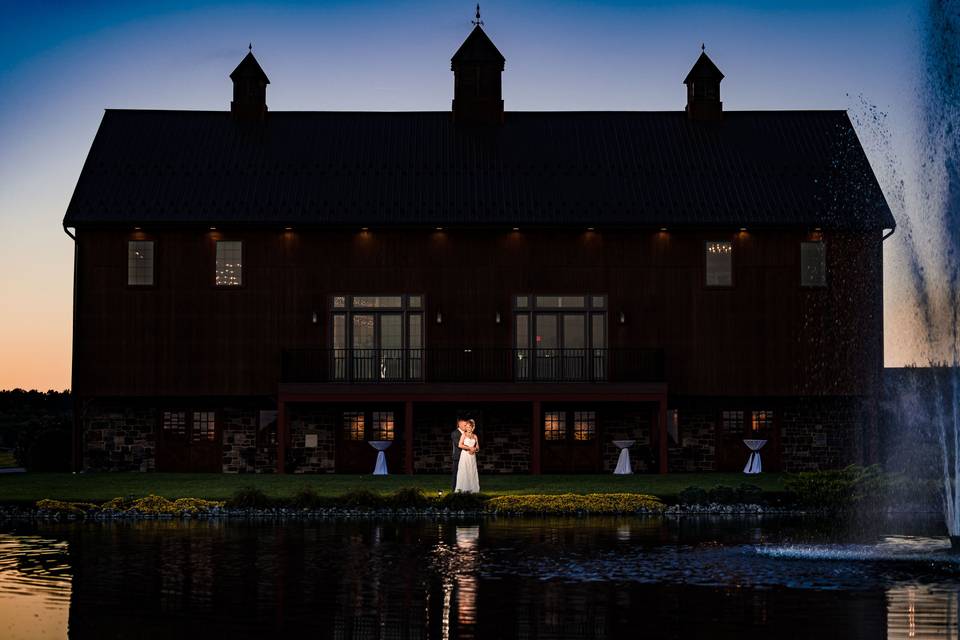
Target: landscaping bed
[{"x": 853, "y": 488}]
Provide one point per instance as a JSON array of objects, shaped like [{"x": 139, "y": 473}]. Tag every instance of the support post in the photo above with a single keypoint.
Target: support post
[
  {"x": 281, "y": 436},
  {"x": 662, "y": 431},
  {"x": 535, "y": 440},
  {"x": 408, "y": 437}
]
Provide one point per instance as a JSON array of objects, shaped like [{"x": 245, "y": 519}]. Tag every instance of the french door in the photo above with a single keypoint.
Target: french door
[
  {"x": 560, "y": 338},
  {"x": 377, "y": 346},
  {"x": 377, "y": 338}
]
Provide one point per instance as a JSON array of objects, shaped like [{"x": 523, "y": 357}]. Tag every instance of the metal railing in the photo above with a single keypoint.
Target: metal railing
[{"x": 489, "y": 364}]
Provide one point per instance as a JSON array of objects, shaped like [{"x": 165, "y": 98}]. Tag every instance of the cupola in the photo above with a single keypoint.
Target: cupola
[
  {"x": 477, "y": 67},
  {"x": 703, "y": 89},
  {"x": 249, "y": 89}
]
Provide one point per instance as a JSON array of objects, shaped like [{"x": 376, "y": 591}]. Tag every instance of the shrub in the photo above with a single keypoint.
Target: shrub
[
  {"x": 249, "y": 498},
  {"x": 195, "y": 505},
  {"x": 722, "y": 495},
  {"x": 116, "y": 504},
  {"x": 308, "y": 498},
  {"x": 750, "y": 494},
  {"x": 460, "y": 501},
  {"x": 574, "y": 504},
  {"x": 158, "y": 505},
  {"x": 839, "y": 489},
  {"x": 693, "y": 495},
  {"x": 363, "y": 499},
  {"x": 68, "y": 508},
  {"x": 410, "y": 497}
]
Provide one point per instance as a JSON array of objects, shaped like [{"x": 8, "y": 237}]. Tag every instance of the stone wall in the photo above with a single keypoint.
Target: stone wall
[
  {"x": 504, "y": 432},
  {"x": 239, "y": 431},
  {"x": 814, "y": 433},
  {"x": 312, "y": 420},
  {"x": 820, "y": 433},
  {"x": 119, "y": 438},
  {"x": 627, "y": 424},
  {"x": 697, "y": 440}
]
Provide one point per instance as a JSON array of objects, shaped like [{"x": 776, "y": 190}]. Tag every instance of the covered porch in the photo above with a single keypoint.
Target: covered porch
[{"x": 423, "y": 415}]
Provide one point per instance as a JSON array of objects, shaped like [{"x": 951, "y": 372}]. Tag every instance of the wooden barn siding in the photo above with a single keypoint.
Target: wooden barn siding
[{"x": 764, "y": 336}]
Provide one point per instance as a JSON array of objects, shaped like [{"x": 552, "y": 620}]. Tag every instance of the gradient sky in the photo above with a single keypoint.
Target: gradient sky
[{"x": 63, "y": 63}]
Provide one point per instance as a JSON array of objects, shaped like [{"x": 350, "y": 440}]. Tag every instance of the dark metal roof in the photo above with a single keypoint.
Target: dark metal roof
[{"x": 790, "y": 168}]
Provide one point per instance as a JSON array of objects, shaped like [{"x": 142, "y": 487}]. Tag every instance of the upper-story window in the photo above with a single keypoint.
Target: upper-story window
[
  {"x": 719, "y": 263},
  {"x": 377, "y": 337},
  {"x": 813, "y": 264},
  {"x": 229, "y": 268},
  {"x": 140, "y": 263},
  {"x": 560, "y": 337}
]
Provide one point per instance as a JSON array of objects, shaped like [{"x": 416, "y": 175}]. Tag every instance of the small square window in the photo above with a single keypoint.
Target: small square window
[
  {"x": 415, "y": 302},
  {"x": 229, "y": 263},
  {"x": 598, "y": 302},
  {"x": 813, "y": 264},
  {"x": 353, "y": 426},
  {"x": 719, "y": 263},
  {"x": 554, "y": 425},
  {"x": 584, "y": 425},
  {"x": 383, "y": 425},
  {"x": 174, "y": 423},
  {"x": 140, "y": 263},
  {"x": 522, "y": 302},
  {"x": 339, "y": 302},
  {"x": 204, "y": 426},
  {"x": 732, "y": 421},
  {"x": 761, "y": 421}
]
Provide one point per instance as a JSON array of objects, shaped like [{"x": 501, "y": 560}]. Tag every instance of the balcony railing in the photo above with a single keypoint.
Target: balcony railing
[{"x": 472, "y": 365}]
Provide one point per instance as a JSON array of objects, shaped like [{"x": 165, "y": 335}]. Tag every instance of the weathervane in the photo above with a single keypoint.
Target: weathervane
[
  {"x": 703, "y": 47},
  {"x": 477, "y": 22},
  {"x": 250, "y": 47}
]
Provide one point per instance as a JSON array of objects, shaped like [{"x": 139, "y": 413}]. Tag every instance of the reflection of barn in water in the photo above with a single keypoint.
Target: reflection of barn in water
[
  {"x": 264, "y": 291},
  {"x": 497, "y": 579}
]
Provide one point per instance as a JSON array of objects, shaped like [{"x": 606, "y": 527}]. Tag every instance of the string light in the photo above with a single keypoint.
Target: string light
[{"x": 719, "y": 247}]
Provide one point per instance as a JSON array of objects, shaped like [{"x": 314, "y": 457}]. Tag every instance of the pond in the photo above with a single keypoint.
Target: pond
[{"x": 708, "y": 577}]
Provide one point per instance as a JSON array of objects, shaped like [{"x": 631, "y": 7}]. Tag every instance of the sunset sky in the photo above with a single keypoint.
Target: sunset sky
[{"x": 63, "y": 63}]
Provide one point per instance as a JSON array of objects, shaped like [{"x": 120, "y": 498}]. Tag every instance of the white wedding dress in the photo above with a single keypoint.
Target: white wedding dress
[{"x": 468, "y": 480}]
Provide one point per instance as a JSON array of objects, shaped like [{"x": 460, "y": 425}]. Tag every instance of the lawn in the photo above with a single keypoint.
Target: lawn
[{"x": 28, "y": 487}]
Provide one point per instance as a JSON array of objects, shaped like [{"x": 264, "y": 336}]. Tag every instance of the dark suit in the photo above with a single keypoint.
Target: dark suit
[{"x": 455, "y": 437}]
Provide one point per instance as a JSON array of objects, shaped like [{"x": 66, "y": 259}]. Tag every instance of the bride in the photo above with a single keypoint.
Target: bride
[{"x": 468, "y": 480}]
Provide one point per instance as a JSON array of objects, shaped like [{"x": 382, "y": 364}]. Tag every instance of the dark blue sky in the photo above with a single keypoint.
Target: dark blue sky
[{"x": 62, "y": 63}]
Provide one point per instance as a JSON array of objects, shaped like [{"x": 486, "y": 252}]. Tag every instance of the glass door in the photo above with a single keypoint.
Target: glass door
[
  {"x": 391, "y": 346},
  {"x": 574, "y": 342},
  {"x": 546, "y": 345},
  {"x": 364, "y": 356}
]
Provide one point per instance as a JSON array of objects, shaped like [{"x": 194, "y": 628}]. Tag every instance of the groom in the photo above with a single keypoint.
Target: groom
[{"x": 455, "y": 438}]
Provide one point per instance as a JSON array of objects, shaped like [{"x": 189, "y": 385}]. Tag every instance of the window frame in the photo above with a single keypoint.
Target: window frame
[
  {"x": 568, "y": 420},
  {"x": 153, "y": 281},
  {"x": 368, "y": 417},
  {"x": 243, "y": 260},
  {"x": 189, "y": 433},
  {"x": 405, "y": 311},
  {"x": 733, "y": 270},
  {"x": 823, "y": 244},
  {"x": 589, "y": 310}
]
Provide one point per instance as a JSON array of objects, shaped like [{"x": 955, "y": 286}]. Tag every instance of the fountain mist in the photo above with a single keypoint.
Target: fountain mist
[{"x": 930, "y": 231}]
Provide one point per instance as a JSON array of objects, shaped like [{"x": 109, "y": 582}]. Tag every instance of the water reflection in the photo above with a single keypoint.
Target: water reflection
[
  {"x": 921, "y": 612},
  {"x": 573, "y": 578},
  {"x": 34, "y": 587}
]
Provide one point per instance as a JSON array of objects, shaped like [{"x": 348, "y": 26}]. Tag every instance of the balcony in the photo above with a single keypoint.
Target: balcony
[{"x": 471, "y": 365}]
